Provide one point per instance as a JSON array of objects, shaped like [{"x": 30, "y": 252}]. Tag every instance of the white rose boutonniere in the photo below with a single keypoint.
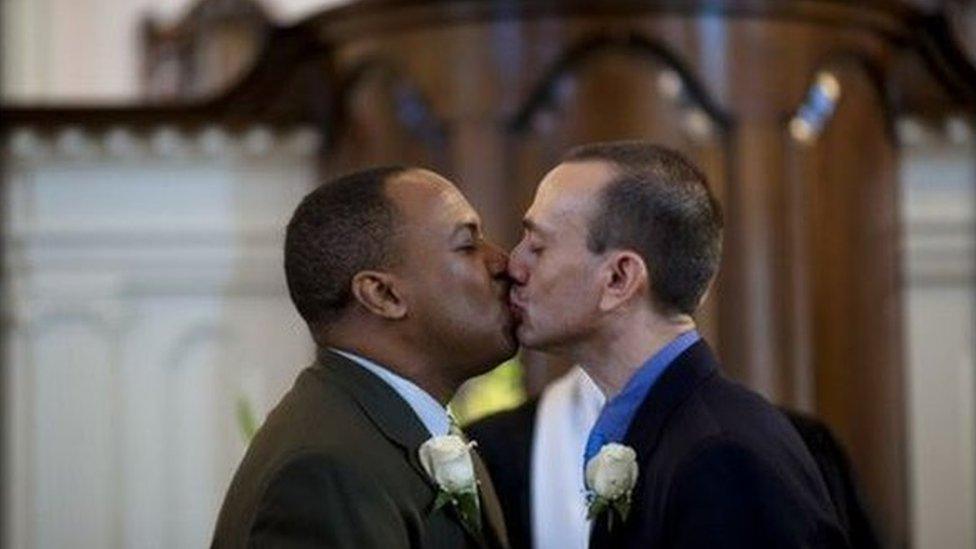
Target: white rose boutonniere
[
  {"x": 447, "y": 459},
  {"x": 610, "y": 478}
]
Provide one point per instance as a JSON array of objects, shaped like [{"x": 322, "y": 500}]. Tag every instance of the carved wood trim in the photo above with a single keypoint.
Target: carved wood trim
[
  {"x": 543, "y": 93},
  {"x": 290, "y": 84},
  {"x": 424, "y": 125}
]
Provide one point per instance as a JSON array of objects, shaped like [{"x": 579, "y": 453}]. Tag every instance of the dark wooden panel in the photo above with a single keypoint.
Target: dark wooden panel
[
  {"x": 383, "y": 118},
  {"x": 847, "y": 177}
]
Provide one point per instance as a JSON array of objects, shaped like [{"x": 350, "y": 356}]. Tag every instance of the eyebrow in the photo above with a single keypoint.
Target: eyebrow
[
  {"x": 534, "y": 227},
  {"x": 471, "y": 226}
]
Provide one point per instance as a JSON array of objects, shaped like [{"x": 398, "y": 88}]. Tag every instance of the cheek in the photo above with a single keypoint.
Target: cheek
[
  {"x": 556, "y": 280},
  {"x": 565, "y": 292},
  {"x": 463, "y": 284}
]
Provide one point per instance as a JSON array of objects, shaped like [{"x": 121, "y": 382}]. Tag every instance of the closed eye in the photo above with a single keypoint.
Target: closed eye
[{"x": 470, "y": 246}]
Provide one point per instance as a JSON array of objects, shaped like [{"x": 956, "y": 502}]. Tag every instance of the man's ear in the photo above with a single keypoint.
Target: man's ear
[
  {"x": 378, "y": 293},
  {"x": 625, "y": 274}
]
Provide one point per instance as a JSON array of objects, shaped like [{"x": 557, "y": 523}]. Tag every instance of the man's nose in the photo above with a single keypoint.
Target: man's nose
[
  {"x": 516, "y": 267},
  {"x": 497, "y": 260}
]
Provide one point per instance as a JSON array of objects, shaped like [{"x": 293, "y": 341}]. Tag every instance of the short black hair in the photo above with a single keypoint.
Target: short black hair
[
  {"x": 341, "y": 228},
  {"x": 658, "y": 205}
]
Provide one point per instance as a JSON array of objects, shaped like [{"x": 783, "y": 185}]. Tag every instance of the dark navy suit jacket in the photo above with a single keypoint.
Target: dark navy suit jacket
[
  {"x": 505, "y": 442},
  {"x": 719, "y": 467}
]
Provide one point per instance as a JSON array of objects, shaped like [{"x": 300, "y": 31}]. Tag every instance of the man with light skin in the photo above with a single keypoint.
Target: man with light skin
[
  {"x": 405, "y": 299},
  {"x": 620, "y": 247}
]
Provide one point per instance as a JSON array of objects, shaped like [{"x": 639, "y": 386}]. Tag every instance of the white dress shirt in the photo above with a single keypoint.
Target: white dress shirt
[{"x": 430, "y": 412}]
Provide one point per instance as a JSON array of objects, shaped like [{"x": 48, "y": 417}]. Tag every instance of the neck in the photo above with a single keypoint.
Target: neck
[
  {"x": 613, "y": 359},
  {"x": 400, "y": 359}
]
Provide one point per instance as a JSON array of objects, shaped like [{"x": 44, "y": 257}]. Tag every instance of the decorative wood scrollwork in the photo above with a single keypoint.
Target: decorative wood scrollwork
[
  {"x": 381, "y": 117},
  {"x": 545, "y": 93}
]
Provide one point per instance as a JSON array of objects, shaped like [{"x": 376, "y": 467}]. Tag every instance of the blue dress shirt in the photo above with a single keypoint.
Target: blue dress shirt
[
  {"x": 616, "y": 416},
  {"x": 431, "y": 413}
]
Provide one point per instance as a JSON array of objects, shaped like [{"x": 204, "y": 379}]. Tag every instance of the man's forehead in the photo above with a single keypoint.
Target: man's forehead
[
  {"x": 426, "y": 196},
  {"x": 581, "y": 175},
  {"x": 416, "y": 187},
  {"x": 417, "y": 181},
  {"x": 568, "y": 194}
]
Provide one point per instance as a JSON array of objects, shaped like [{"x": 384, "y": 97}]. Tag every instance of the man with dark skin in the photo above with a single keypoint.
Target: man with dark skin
[{"x": 405, "y": 300}]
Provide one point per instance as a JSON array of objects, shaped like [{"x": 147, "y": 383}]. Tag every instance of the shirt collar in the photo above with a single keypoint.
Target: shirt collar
[
  {"x": 431, "y": 413},
  {"x": 619, "y": 412}
]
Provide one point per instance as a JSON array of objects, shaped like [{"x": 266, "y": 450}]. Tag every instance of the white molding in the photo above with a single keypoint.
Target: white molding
[
  {"x": 941, "y": 253},
  {"x": 146, "y": 245},
  {"x": 25, "y": 146},
  {"x": 916, "y": 134},
  {"x": 939, "y": 261},
  {"x": 938, "y": 172}
]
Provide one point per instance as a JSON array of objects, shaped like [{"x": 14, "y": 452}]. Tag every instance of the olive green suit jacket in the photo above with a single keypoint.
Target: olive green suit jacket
[{"x": 336, "y": 465}]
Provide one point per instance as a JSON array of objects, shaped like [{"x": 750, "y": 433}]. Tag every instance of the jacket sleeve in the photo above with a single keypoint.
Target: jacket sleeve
[
  {"x": 319, "y": 501},
  {"x": 727, "y": 496}
]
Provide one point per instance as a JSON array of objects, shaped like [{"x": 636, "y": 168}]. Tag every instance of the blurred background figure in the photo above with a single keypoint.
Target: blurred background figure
[
  {"x": 535, "y": 456},
  {"x": 152, "y": 151}
]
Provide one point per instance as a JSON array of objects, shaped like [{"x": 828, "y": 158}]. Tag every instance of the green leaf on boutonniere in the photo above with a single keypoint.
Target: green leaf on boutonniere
[
  {"x": 597, "y": 506},
  {"x": 619, "y": 507},
  {"x": 443, "y": 498},
  {"x": 622, "y": 506},
  {"x": 467, "y": 507}
]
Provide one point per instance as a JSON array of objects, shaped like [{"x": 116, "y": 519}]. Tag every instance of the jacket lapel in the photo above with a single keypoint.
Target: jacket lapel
[
  {"x": 398, "y": 422},
  {"x": 489, "y": 501},
  {"x": 676, "y": 384},
  {"x": 384, "y": 407}
]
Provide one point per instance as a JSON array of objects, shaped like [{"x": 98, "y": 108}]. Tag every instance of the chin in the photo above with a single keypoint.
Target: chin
[
  {"x": 527, "y": 338},
  {"x": 491, "y": 350},
  {"x": 510, "y": 335},
  {"x": 507, "y": 347},
  {"x": 541, "y": 342},
  {"x": 487, "y": 365}
]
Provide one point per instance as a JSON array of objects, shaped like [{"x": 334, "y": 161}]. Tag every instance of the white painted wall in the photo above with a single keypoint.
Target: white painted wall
[
  {"x": 938, "y": 203},
  {"x": 145, "y": 295},
  {"x": 88, "y": 50}
]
